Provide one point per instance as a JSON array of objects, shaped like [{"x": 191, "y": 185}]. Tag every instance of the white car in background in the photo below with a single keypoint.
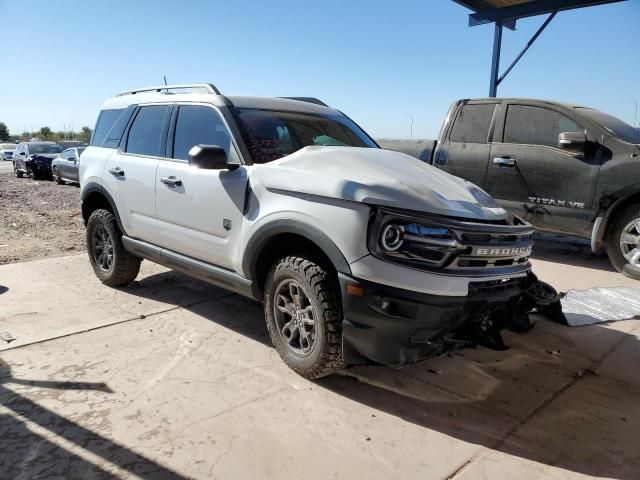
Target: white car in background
[{"x": 6, "y": 150}]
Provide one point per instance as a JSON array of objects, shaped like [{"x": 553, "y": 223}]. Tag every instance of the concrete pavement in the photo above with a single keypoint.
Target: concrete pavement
[{"x": 172, "y": 378}]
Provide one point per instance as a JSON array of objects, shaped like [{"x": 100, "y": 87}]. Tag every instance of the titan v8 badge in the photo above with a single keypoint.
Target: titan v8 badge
[{"x": 555, "y": 203}]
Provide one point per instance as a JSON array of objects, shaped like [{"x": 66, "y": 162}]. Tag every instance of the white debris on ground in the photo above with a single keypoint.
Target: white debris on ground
[{"x": 586, "y": 307}]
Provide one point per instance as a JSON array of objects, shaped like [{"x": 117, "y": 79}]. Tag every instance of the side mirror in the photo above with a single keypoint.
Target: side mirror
[
  {"x": 210, "y": 157},
  {"x": 572, "y": 141}
]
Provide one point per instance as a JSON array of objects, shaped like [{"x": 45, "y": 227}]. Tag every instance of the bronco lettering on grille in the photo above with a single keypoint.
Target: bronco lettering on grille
[{"x": 501, "y": 251}]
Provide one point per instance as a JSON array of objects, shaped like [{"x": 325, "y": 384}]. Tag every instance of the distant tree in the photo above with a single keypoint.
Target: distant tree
[
  {"x": 85, "y": 135},
  {"x": 45, "y": 133},
  {"x": 59, "y": 135},
  {"x": 4, "y": 132}
]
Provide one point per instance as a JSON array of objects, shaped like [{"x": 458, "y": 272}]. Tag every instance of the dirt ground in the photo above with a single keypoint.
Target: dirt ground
[{"x": 38, "y": 219}]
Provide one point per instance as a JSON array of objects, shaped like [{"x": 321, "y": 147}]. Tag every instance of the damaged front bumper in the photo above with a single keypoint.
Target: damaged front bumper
[{"x": 393, "y": 326}]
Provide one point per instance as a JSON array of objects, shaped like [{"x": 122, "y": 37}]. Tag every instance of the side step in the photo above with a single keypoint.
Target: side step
[{"x": 206, "y": 272}]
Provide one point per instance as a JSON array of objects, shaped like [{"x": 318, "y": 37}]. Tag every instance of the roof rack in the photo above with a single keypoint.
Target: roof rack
[
  {"x": 314, "y": 100},
  {"x": 203, "y": 87}
]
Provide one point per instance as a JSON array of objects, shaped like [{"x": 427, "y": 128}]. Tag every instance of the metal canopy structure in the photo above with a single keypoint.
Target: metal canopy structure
[{"x": 505, "y": 13}]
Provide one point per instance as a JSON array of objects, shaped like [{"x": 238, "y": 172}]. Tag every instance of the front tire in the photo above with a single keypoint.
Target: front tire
[
  {"x": 56, "y": 176},
  {"x": 623, "y": 239},
  {"x": 112, "y": 264},
  {"x": 18, "y": 173},
  {"x": 304, "y": 316}
]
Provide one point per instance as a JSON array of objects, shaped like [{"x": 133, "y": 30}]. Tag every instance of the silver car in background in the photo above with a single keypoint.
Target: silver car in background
[{"x": 64, "y": 168}]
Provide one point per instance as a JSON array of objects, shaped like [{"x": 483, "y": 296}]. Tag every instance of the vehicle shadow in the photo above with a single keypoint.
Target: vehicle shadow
[
  {"x": 569, "y": 251},
  {"x": 25, "y": 453},
  {"x": 595, "y": 448}
]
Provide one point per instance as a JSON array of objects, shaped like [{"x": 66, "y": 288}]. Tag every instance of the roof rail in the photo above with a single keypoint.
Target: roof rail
[
  {"x": 207, "y": 87},
  {"x": 317, "y": 101}
]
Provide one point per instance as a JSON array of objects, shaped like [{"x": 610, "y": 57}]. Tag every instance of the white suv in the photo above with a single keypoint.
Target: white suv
[{"x": 357, "y": 253}]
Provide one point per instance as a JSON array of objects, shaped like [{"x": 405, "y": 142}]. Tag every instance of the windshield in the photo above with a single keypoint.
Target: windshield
[
  {"x": 271, "y": 134},
  {"x": 44, "y": 148},
  {"x": 613, "y": 125},
  {"x": 8, "y": 146}
]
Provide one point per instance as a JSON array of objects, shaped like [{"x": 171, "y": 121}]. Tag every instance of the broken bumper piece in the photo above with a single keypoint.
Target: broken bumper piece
[{"x": 393, "y": 327}]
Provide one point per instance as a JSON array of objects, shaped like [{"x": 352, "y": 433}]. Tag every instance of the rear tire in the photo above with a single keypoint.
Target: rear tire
[
  {"x": 112, "y": 264},
  {"x": 304, "y": 316},
  {"x": 623, "y": 239}
]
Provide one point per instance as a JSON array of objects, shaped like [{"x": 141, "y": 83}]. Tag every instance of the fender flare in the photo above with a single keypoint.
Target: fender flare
[
  {"x": 93, "y": 187},
  {"x": 618, "y": 197},
  {"x": 265, "y": 233}
]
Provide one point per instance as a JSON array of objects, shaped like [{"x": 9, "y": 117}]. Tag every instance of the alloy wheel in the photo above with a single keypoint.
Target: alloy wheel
[
  {"x": 294, "y": 317},
  {"x": 102, "y": 246},
  {"x": 630, "y": 242}
]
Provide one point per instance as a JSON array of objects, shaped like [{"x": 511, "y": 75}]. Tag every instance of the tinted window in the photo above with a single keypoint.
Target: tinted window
[
  {"x": 271, "y": 134},
  {"x": 472, "y": 123},
  {"x": 44, "y": 148},
  {"x": 106, "y": 119},
  {"x": 198, "y": 125},
  {"x": 145, "y": 134},
  {"x": 536, "y": 125}
]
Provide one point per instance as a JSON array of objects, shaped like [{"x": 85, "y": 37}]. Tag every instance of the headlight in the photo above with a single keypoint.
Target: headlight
[{"x": 406, "y": 240}]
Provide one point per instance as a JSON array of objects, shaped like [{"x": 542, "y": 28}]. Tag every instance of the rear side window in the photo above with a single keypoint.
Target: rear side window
[
  {"x": 146, "y": 132},
  {"x": 106, "y": 120},
  {"x": 198, "y": 125},
  {"x": 531, "y": 125},
  {"x": 472, "y": 123}
]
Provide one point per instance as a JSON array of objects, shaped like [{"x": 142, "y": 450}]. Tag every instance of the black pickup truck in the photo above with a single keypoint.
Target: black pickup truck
[{"x": 564, "y": 168}]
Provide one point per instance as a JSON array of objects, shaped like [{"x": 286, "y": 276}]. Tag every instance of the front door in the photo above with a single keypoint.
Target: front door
[
  {"x": 200, "y": 212},
  {"x": 130, "y": 172},
  {"x": 528, "y": 174}
]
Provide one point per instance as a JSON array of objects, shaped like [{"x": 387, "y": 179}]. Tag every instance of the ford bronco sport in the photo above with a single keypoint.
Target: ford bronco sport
[{"x": 357, "y": 253}]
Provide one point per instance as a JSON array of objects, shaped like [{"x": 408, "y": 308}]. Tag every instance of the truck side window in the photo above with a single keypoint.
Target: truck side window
[
  {"x": 531, "y": 125},
  {"x": 145, "y": 134},
  {"x": 198, "y": 125},
  {"x": 472, "y": 123}
]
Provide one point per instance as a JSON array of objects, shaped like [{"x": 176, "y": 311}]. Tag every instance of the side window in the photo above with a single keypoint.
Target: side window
[
  {"x": 198, "y": 125},
  {"x": 472, "y": 123},
  {"x": 145, "y": 134},
  {"x": 531, "y": 125},
  {"x": 65, "y": 155},
  {"x": 106, "y": 119}
]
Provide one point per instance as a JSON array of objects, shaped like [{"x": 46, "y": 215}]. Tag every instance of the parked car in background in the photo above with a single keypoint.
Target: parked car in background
[
  {"x": 6, "y": 150},
  {"x": 34, "y": 159},
  {"x": 564, "y": 168},
  {"x": 64, "y": 168}
]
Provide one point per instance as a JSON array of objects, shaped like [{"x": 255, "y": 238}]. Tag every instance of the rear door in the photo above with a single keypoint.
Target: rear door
[
  {"x": 529, "y": 175},
  {"x": 465, "y": 150},
  {"x": 200, "y": 212},
  {"x": 129, "y": 174}
]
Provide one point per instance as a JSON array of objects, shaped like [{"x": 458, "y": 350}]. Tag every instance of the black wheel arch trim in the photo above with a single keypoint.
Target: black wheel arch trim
[
  {"x": 93, "y": 187},
  {"x": 265, "y": 233},
  {"x": 609, "y": 203}
]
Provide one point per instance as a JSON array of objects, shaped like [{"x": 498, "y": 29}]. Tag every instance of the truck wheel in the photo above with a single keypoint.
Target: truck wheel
[
  {"x": 304, "y": 316},
  {"x": 623, "y": 239},
  {"x": 112, "y": 264},
  {"x": 18, "y": 173}
]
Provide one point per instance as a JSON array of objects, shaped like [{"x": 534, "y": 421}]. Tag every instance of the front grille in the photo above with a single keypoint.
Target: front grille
[{"x": 494, "y": 285}]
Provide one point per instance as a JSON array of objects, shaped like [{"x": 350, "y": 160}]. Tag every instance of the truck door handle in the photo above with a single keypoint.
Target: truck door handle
[
  {"x": 504, "y": 161},
  {"x": 118, "y": 172},
  {"x": 171, "y": 181}
]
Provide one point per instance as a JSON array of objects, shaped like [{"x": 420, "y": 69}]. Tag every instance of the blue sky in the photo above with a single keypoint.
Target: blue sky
[{"x": 376, "y": 61}]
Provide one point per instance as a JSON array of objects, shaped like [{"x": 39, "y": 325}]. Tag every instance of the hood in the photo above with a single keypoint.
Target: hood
[{"x": 378, "y": 177}]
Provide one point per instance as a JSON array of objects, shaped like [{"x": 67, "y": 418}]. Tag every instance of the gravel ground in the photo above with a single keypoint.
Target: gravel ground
[{"x": 38, "y": 219}]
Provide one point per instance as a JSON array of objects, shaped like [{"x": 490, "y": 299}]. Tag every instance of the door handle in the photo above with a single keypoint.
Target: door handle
[
  {"x": 171, "y": 181},
  {"x": 504, "y": 161},
  {"x": 118, "y": 172}
]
